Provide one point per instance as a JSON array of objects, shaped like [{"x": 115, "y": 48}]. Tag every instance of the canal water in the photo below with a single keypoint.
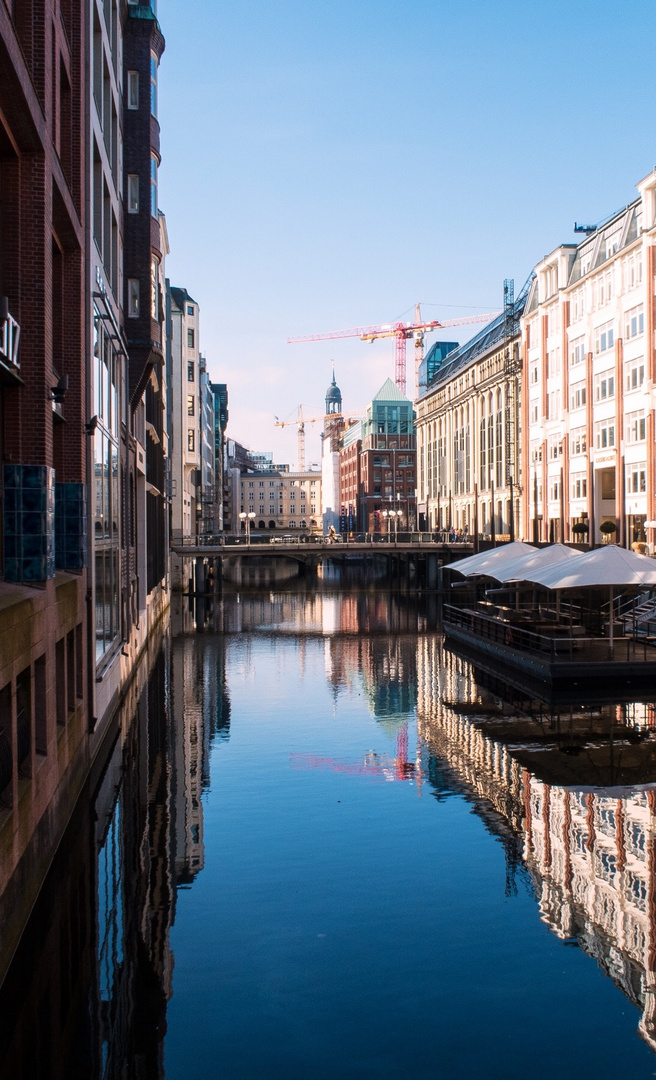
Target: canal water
[{"x": 325, "y": 846}]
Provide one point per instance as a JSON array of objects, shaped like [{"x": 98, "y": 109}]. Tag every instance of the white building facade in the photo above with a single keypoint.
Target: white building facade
[
  {"x": 281, "y": 501},
  {"x": 469, "y": 468},
  {"x": 588, "y": 373}
]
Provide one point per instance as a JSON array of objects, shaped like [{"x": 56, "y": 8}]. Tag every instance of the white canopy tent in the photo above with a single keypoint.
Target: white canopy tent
[
  {"x": 520, "y": 568},
  {"x": 486, "y": 562},
  {"x": 609, "y": 565}
]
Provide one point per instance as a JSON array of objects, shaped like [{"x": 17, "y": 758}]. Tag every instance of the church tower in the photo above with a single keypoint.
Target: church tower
[{"x": 333, "y": 398}]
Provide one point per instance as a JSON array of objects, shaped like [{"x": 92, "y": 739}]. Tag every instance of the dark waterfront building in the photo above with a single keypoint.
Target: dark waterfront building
[
  {"x": 87, "y": 993},
  {"x": 83, "y": 478},
  {"x": 145, "y": 248},
  {"x": 220, "y": 391},
  {"x": 45, "y": 675}
]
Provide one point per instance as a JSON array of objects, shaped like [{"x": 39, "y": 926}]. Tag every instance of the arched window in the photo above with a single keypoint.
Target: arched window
[
  {"x": 260, "y": 525},
  {"x": 272, "y": 524}
]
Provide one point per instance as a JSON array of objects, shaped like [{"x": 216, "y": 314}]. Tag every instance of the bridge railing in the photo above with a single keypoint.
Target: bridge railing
[{"x": 280, "y": 540}]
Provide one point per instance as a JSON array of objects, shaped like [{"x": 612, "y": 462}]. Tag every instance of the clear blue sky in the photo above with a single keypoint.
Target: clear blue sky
[{"x": 326, "y": 166}]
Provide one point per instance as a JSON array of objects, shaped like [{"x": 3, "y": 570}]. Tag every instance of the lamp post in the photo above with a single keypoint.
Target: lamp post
[
  {"x": 397, "y": 521},
  {"x": 247, "y": 520}
]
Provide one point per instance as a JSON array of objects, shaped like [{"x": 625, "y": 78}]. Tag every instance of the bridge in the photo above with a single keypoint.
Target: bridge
[
  {"x": 414, "y": 558},
  {"x": 240, "y": 547}
]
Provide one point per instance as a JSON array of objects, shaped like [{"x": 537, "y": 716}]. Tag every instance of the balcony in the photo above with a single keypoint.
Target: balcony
[{"x": 9, "y": 338}]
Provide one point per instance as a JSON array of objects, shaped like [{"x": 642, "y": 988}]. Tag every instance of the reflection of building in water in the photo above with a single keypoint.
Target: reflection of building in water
[
  {"x": 591, "y": 852},
  {"x": 201, "y": 710},
  {"x": 87, "y": 992},
  {"x": 136, "y": 895},
  {"x": 305, "y": 609}
]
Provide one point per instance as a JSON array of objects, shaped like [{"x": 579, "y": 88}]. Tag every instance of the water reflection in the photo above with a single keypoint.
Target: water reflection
[
  {"x": 568, "y": 791},
  {"x": 590, "y": 850}
]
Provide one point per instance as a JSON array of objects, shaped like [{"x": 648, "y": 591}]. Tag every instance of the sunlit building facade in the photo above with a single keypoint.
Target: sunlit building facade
[
  {"x": 281, "y": 500},
  {"x": 588, "y": 373},
  {"x": 469, "y": 466}
]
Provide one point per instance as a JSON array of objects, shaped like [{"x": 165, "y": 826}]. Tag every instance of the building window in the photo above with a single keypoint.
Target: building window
[
  {"x": 635, "y": 427},
  {"x": 191, "y": 405},
  {"x": 635, "y": 375},
  {"x": 191, "y": 440},
  {"x": 636, "y": 481},
  {"x": 154, "y": 289},
  {"x": 153, "y": 185},
  {"x": 579, "y": 486},
  {"x": 133, "y": 298},
  {"x": 553, "y": 361},
  {"x": 107, "y": 370},
  {"x": 553, "y": 405},
  {"x": 190, "y": 309},
  {"x": 555, "y": 449},
  {"x": 190, "y": 338},
  {"x": 577, "y": 442},
  {"x": 577, "y": 396},
  {"x": 604, "y": 338},
  {"x": 133, "y": 89},
  {"x": 190, "y": 371},
  {"x": 153, "y": 84},
  {"x": 604, "y": 387},
  {"x": 577, "y": 351},
  {"x": 604, "y": 434},
  {"x": 133, "y": 193},
  {"x": 634, "y": 322}
]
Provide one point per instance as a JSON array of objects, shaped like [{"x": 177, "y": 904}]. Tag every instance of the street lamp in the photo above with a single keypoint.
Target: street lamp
[
  {"x": 386, "y": 514},
  {"x": 247, "y": 520}
]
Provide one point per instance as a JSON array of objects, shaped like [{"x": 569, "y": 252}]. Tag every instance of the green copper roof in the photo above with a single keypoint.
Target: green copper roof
[{"x": 390, "y": 392}]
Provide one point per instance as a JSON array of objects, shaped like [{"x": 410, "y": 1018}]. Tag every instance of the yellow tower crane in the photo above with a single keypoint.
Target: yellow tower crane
[{"x": 301, "y": 421}]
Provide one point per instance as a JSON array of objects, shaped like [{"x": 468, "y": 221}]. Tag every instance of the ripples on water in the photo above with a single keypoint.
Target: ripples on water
[{"x": 328, "y": 847}]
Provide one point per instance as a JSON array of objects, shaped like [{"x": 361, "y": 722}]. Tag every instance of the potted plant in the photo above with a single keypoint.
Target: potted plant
[
  {"x": 580, "y": 528},
  {"x": 607, "y": 528}
]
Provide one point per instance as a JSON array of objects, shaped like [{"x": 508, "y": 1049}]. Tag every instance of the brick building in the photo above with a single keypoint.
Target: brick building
[
  {"x": 377, "y": 465},
  {"x": 44, "y": 677},
  {"x": 83, "y": 540}
]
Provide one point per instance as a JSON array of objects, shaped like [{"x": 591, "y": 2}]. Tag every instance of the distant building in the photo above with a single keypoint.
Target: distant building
[
  {"x": 332, "y": 432},
  {"x": 351, "y": 489},
  {"x": 209, "y": 501},
  {"x": 378, "y": 460},
  {"x": 281, "y": 500},
  {"x": 468, "y": 433},
  {"x": 220, "y": 392},
  {"x": 183, "y": 318}
]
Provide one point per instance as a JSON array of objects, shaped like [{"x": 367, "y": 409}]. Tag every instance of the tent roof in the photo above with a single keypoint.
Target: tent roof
[
  {"x": 485, "y": 562},
  {"x": 520, "y": 569},
  {"x": 607, "y": 565}
]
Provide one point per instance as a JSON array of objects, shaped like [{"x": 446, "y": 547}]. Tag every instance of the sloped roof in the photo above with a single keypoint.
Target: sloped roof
[
  {"x": 490, "y": 337},
  {"x": 182, "y": 297},
  {"x": 390, "y": 392}
]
